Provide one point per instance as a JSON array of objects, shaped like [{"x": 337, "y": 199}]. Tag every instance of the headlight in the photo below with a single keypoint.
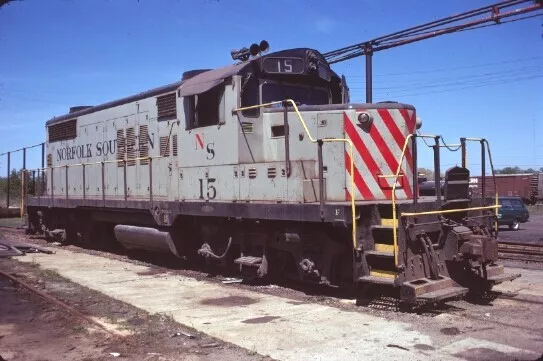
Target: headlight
[{"x": 365, "y": 120}]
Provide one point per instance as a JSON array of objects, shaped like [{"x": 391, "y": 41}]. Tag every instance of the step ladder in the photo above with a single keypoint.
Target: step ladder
[
  {"x": 380, "y": 260},
  {"x": 249, "y": 261},
  {"x": 383, "y": 271}
]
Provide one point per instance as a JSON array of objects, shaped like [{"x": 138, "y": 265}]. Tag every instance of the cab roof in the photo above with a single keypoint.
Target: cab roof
[{"x": 197, "y": 84}]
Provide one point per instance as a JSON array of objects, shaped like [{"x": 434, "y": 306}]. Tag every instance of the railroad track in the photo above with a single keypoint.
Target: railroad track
[
  {"x": 531, "y": 252},
  {"x": 521, "y": 251}
]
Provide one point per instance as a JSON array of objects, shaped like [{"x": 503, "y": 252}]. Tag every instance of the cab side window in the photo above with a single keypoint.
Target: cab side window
[
  {"x": 205, "y": 109},
  {"x": 250, "y": 95}
]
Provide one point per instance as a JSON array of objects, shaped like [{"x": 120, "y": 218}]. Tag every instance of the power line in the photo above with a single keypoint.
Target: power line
[
  {"x": 462, "y": 80},
  {"x": 498, "y": 13},
  {"x": 468, "y": 87},
  {"x": 451, "y": 69}
]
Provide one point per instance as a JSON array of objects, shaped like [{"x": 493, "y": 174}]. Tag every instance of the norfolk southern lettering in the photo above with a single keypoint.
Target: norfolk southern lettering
[{"x": 87, "y": 150}]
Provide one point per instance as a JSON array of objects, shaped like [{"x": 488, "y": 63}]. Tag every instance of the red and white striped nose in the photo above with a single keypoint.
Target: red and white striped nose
[{"x": 378, "y": 136}]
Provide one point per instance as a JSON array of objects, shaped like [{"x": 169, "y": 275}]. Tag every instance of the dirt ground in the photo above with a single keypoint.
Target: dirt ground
[
  {"x": 34, "y": 329},
  {"x": 510, "y": 311}
]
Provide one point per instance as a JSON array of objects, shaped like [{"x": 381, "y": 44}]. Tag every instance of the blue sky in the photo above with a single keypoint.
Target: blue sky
[{"x": 484, "y": 83}]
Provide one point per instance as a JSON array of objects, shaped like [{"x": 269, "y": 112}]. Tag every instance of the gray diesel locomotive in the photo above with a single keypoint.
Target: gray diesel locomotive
[{"x": 265, "y": 166}]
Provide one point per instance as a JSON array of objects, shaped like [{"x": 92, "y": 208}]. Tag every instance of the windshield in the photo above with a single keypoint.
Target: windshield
[{"x": 302, "y": 95}]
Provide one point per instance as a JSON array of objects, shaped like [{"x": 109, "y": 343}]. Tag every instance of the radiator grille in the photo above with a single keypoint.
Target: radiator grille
[
  {"x": 121, "y": 147},
  {"x": 143, "y": 144},
  {"x": 166, "y": 106},
  {"x": 164, "y": 147},
  {"x": 62, "y": 131},
  {"x": 131, "y": 146}
]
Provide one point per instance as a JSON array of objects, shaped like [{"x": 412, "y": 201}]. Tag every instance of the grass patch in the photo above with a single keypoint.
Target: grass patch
[{"x": 50, "y": 273}]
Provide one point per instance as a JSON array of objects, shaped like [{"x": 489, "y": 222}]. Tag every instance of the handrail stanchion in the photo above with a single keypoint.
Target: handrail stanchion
[
  {"x": 483, "y": 170},
  {"x": 84, "y": 183},
  {"x": 40, "y": 184},
  {"x": 415, "y": 172},
  {"x": 287, "y": 138},
  {"x": 437, "y": 171},
  {"x": 151, "y": 180},
  {"x": 103, "y": 184},
  {"x": 496, "y": 202},
  {"x": 23, "y": 186},
  {"x": 34, "y": 182},
  {"x": 8, "y": 182},
  {"x": 67, "y": 184},
  {"x": 321, "y": 179},
  {"x": 393, "y": 199},
  {"x": 483, "y": 174},
  {"x": 125, "y": 181},
  {"x": 464, "y": 152},
  {"x": 43, "y": 180},
  {"x": 52, "y": 185}
]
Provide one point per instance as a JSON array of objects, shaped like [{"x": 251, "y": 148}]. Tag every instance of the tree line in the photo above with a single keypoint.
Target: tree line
[{"x": 33, "y": 186}]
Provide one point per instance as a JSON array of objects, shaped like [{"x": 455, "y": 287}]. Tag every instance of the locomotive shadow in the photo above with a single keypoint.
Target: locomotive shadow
[{"x": 388, "y": 299}]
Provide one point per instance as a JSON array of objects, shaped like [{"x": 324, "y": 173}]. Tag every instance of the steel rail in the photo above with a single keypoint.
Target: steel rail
[{"x": 61, "y": 304}]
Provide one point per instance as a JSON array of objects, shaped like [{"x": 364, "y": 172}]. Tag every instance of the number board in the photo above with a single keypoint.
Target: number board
[{"x": 283, "y": 65}]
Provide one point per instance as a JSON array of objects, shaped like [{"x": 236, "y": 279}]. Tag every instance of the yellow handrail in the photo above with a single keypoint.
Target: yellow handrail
[
  {"x": 394, "y": 218},
  {"x": 313, "y": 140},
  {"x": 393, "y": 196},
  {"x": 457, "y": 210}
]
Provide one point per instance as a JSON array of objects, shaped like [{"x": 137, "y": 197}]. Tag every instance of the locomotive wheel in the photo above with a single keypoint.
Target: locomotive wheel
[{"x": 515, "y": 226}]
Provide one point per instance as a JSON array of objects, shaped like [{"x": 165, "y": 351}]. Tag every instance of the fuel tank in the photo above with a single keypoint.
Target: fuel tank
[{"x": 151, "y": 239}]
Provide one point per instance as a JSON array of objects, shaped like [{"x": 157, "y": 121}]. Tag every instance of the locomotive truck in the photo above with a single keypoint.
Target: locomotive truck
[{"x": 265, "y": 166}]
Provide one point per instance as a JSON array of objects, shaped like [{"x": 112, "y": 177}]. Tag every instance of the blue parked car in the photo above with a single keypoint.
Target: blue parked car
[{"x": 512, "y": 212}]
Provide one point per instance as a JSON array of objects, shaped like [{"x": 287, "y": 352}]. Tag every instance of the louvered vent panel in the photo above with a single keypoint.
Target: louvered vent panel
[
  {"x": 174, "y": 145},
  {"x": 164, "y": 147},
  {"x": 252, "y": 173},
  {"x": 62, "y": 131},
  {"x": 166, "y": 106},
  {"x": 49, "y": 160},
  {"x": 121, "y": 147},
  {"x": 143, "y": 144},
  {"x": 272, "y": 172},
  {"x": 247, "y": 127},
  {"x": 131, "y": 146}
]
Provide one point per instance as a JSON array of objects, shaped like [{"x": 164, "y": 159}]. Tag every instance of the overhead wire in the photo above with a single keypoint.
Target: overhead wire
[
  {"x": 461, "y": 80},
  {"x": 488, "y": 83},
  {"x": 439, "y": 27},
  {"x": 451, "y": 69}
]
